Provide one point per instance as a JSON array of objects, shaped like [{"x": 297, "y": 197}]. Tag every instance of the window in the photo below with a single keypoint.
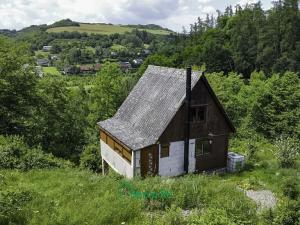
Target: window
[
  {"x": 198, "y": 114},
  {"x": 203, "y": 147},
  {"x": 164, "y": 151},
  {"x": 206, "y": 147}
]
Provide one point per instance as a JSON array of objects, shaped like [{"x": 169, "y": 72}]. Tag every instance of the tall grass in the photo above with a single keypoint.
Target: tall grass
[{"x": 68, "y": 196}]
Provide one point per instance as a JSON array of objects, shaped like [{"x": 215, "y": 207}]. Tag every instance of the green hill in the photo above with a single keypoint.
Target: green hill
[{"x": 105, "y": 29}]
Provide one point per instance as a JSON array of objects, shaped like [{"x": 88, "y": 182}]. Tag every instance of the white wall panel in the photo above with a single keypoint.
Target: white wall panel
[
  {"x": 116, "y": 161},
  {"x": 174, "y": 164}
]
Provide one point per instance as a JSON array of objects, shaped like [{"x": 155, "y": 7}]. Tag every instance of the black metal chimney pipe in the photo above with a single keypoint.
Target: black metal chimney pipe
[{"x": 187, "y": 118}]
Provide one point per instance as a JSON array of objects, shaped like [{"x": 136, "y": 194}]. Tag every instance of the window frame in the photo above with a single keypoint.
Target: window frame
[
  {"x": 195, "y": 109},
  {"x": 162, "y": 153},
  {"x": 203, "y": 141}
]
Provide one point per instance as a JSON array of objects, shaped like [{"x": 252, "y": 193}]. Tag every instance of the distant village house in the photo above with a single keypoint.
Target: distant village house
[
  {"x": 43, "y": 62},
  {"x": 137, "y": 62},
  {"x": 47, "y": 48},
  {"x": 125, "y": 66}
]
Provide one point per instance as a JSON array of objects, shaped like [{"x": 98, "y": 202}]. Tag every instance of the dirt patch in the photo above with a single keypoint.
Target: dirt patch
[{"x": 265, "y": 199}]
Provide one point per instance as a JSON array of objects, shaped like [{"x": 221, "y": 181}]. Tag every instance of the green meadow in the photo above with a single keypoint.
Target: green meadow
[
  {"x": 51, "y": 70},
  {"x": 105, "y": 29}
]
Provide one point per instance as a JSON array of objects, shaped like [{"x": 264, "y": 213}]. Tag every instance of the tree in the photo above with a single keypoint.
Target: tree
[
  {"x": 243, "y": 31},
  {"x": 108, "y": 93},
  {"x": 276, "y": 110},
  {"x": 18, "y": 85},
  {"x": 287, "y": 151},
  {"x": 60, "y": 122},
  {"x": 212, "y": 52}
]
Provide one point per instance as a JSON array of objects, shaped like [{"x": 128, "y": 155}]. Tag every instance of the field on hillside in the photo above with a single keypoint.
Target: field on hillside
[
  {"x": 51, "y": 70},
  {"x": 105, "y": 29}
]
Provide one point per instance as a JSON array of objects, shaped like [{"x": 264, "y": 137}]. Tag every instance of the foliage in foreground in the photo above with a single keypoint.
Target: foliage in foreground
[
  {"x": 81, "y": 197},
  {"x": 15, "y": 154},
  {"x": 90, "y": 158}
]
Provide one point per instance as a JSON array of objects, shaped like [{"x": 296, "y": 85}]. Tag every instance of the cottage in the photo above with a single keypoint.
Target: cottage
[
  {"x": 43, "y": 62},
  {"x": 170, "y": 124},
  {"x": 47, "y": 48},
  {"x": 137, "y": 62},
  {"x": 86, "y": 68},
  {"x": 125, "y": 66},
  {"x": 146, "y": 52}
]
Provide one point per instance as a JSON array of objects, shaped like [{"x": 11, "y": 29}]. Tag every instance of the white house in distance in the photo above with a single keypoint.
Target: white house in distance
[
  {"x": 47, "y": 48},
  {"x": 170, "y": 124}
]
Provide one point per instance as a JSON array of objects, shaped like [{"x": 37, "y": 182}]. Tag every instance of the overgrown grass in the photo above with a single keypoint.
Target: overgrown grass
[
  {"x": 79, "y": 197},
  {"x": 105, "y": 29},
  {"x": 73, "y": 196}
]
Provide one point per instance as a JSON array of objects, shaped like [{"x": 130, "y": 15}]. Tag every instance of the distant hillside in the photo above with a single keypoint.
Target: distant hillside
[
  {"x": 9, "y": 33},
  {"x": 107, "y": 29}
]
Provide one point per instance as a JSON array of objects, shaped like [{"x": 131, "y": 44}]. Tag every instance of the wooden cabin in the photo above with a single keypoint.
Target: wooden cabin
[{"x": 171, "y": 124}]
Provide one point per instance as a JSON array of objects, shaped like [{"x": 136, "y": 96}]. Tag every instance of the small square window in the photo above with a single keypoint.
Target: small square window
[
  {"x": 202, "y": 147},
  {"x": 198, "y": 114},
  {"x": 206, "y": 146},
  {"x": 164, "y": 151}
]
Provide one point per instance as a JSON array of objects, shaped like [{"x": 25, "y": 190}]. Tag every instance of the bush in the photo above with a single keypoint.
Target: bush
[
  {"x": 288, "y": 214},
  {"x": 91, "y": 159},
  {"x": 211, "y": 216},
  {"x": 12, "y": 209},
  {"x": 287, "y": 151},
  {"x": 290, "y": 188},
  {"x": 172, "y": 216},
  {"x": 15, "y": 154}
]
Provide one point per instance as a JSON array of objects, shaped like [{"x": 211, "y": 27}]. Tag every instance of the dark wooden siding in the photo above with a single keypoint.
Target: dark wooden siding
[
  {"x": 149, "y": 161},
  {"x": 215, "y": 121},
  {"x": 214, "y": 124}
]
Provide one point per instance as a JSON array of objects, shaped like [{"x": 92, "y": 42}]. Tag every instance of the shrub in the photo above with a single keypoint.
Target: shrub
[
  {"x": 211, "y": 216},
  {"x": 91, "y": 159},
  {"x": 12, "y": 209},
  {"x": 37, "y": 159},
  {"x": 287, "y": 151},
  {"x": 290, "y": 188},
  {"x": 15, "y": 154},
  {"x": 288, "y": 213},
  {"x": 173, "y": 216},
  {"x": 11, "y": 150}
]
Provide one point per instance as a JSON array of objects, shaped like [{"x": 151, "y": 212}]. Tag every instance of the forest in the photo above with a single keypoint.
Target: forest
[{"x": 50, "y": 164}]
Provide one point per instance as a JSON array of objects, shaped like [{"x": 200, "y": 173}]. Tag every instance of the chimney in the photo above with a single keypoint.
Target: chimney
[{"x": 187, "y": 118}]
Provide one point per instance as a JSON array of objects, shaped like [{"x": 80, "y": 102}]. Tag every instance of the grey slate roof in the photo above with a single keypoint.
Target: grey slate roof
[{"x": 150, "y": 107}]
